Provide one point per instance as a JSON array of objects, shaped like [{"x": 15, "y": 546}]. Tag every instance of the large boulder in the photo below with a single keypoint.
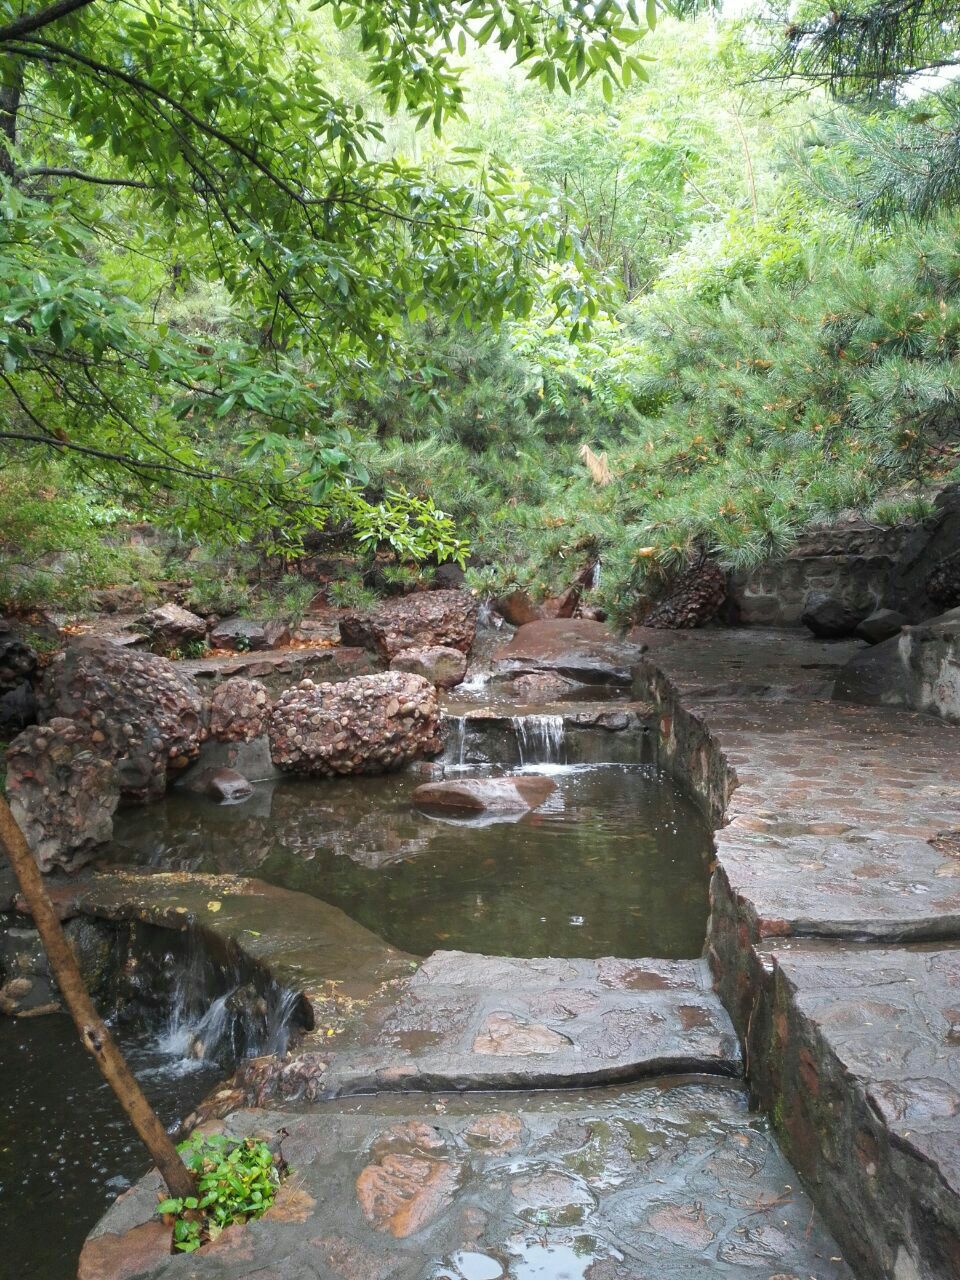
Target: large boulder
[
  {"x": 144, "y": 715},
  {"x": 423, "y": 620},
  {"x": 249, "y": 634},
  {"x": 62, "y": 792},
  {"x": 172, "y": 625},
  {"x": 830, "y": 617},
  {"x": 486, "y": 795},
  {"x": 880, "y": 625},
  {"x": 694, "y": 599},
  {"x": 370, "y": 724},
  {"x": 874, "y": 677},
  {"x": 517, "y": 608},
  {"x": 239, "y": 710},
  {"x": 441, "y": 665},
  {"x": 573, "y": 647}
]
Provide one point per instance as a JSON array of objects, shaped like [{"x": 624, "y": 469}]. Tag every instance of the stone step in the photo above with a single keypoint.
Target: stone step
[
  {"x": 856, "y": 1053},
  {"x": 659, "y": 1182},
  {"x": 465, "y": 1021}
]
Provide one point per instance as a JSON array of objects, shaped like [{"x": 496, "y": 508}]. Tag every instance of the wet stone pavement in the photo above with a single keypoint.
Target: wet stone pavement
[
  {"x": 674, "y": 1181},
  {"x": 833, "y": 941}
]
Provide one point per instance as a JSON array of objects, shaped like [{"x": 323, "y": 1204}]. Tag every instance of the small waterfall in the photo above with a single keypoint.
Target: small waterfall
[
  {"x": 198, "y": 1006},
  {"x": 487, "y": 615},
  {"x": 594, "y": 581},
  {"x": 540, "y": 739},
  {"x": 455, "y": 742}
]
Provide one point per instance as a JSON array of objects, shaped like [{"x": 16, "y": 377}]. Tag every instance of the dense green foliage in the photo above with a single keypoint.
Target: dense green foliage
[
  {"x": 236, "y": 1181},
  {"x": 586, "y": 307}
]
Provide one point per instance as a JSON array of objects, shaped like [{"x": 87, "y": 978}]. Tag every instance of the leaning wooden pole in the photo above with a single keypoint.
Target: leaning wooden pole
[{"x": 94, "y": 1034}]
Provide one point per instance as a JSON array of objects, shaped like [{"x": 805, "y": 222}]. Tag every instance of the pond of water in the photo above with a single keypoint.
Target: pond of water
[
  {"x": 66, "y": 1150},
  {"x": 614, "y": 863}
]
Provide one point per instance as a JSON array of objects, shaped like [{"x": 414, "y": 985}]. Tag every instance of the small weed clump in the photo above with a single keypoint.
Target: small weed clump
[{"x": 236, "y": 1181}]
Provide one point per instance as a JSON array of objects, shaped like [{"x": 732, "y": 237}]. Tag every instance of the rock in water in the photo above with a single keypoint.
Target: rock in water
[
  {"x": 486, "y": 795},
  {"x": 143, "y": 714},
  {"x": 371, "y": 724},
  {"x": 226, "y": 786},
  {"x": 441, "y": 665},
  {"x": 695, "y": 598},
  {"x": 62, "y": 793},
  {"x": 173, "y": 625},
  {"x": 424, "y": 620}
]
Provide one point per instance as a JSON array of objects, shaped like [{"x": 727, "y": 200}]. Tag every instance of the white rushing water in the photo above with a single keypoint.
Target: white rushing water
[{"x": 540, "y": 739}]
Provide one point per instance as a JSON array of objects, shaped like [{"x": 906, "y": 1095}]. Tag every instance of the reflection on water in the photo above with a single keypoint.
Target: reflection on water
[
  {"x": 66, "y": 1150},
  {"x": 615, "y": 862}
]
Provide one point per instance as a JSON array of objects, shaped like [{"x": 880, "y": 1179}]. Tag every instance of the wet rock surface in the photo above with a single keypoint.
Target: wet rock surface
[
  {"x": 222, "y": 784},
  {"x": 842, "y": 844},
  {"x": 61, "y": 792},
  {"x": 491, "y": 1022},
  {"x": 278, "y": 669},
  {"x": 144, "y": 715},
  {"x": 441, "y": 665},
  {"x": 579, "y": 649},
  {"x": 651, "y": 1183},
  {"x": 485, "y": 795},
  {"x": 372, "y": 724},
  {"x": 426, "y": 619}
]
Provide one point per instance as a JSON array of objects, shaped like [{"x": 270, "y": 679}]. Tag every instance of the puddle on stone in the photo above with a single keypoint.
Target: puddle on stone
[{"x": 615, "y": 862}]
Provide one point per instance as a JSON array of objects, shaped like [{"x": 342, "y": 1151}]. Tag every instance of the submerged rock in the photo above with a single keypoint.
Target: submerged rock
[
  {"x": 543, "y": 686},
  {"x": 62, "y": 793},
  {"x": 224, "y": 785},
  {"x": 441, "y": 665},
  {"x": 143, "y": 714},
  {"x": 371, "y": 724},
  {"x": 426, "y": 619},
  {"x": 489, "y": 795}
]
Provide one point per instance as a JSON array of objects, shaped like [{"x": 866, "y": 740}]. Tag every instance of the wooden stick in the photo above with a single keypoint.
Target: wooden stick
[{"x": 94, "y": 1035}]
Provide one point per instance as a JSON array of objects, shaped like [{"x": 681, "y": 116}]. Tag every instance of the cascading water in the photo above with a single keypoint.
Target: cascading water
[
  {"x": 455, "y": 742},
  {"x": 540, "y": 739},
  {"x": 212, "y": 1010}
]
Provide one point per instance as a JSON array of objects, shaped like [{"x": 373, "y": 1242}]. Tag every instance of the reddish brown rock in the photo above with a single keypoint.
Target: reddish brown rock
[
  {"x": 571, "y": 647},
  {"x": 441, "y": 665},
  {"x": 120, "y": 1257},
  {"x": 143, "y": 714},
  {"x": 543, "y": 686},
  {"x": 409, "y": 1181},
  {"x": 508, "y": 1036},
  {"x": 487, "y": 795},
  {"x": 517, "y": 608},
  {"x": 426, "y": 619},
  {"x": 239, "y": 710},
  {"x": 498, "y": 1132},
  {"x": 371, "y": 724},
  {"x": 62, "y": 794}
]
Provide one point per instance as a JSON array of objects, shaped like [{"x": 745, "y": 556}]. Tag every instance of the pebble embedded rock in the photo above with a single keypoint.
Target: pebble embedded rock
[
  {"x": 239, "y": 710},
  {"x": 62, "y": 793},
  {"x": 489, "y": 795},
  {"x": 426, "y": 619},
  {"x": 441, "y": 665},
  {"x": 143, "y": 714},
  {"x": 371, "y": 724}
]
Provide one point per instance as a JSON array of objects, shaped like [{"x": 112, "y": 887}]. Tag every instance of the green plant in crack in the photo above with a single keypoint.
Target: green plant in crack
[{"x": 236, "y": 1181}]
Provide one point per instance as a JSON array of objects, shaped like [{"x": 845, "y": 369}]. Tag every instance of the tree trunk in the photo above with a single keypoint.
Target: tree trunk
[
  {"x": 94, "y": 1035},
  {"x": 11, "y": 87}
]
